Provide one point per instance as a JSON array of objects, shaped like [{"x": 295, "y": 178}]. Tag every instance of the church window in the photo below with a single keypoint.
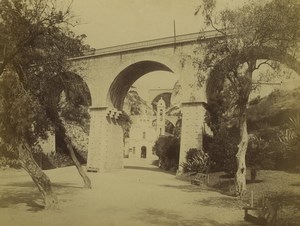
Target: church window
[{"x": 160, "y": 115}]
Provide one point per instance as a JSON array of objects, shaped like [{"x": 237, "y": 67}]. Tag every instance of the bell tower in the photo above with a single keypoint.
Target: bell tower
[{"x": 161, "y": 117}]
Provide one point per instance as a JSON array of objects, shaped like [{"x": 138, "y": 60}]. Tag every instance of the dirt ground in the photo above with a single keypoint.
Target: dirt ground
[{"x": 138, "y": 195}]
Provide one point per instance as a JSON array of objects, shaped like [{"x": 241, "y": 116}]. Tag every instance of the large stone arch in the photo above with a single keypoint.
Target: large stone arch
[
  {"x": 125, "y": 78},
  {"x": 109, "y": 90},
  {"x": 106, "y": 135},
  {"x": 103, "y": 72}
]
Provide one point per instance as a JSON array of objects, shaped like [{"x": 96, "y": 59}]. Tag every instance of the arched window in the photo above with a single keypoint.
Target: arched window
[{"x": 161, "y": 115}]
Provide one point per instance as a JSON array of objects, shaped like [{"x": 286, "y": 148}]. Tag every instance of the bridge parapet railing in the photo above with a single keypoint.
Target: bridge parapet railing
[{"x": 155, "y": 42}]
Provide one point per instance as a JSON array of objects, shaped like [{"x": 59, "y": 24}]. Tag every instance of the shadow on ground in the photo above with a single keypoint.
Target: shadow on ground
[
  {"x": 28, "y": 197},
  {"x": 169, "y": 218},
  {"x": 223, "y": 202},
  {"x": 149, "y": 169},
  {"x": 26, "y": 193},
  {"x": 187, "y": 188},
  {"x": 296, "y": 184}
]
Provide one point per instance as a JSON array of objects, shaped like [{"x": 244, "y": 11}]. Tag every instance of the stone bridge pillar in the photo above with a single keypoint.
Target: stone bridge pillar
[
  {"x": 192, "y": 108},
  {"x": 193, "y": 114},
  {"x": 105, "y": 150}
]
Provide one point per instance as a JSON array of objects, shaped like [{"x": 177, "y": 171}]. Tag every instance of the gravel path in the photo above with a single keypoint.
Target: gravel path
[{"x": 138, "y": 195}]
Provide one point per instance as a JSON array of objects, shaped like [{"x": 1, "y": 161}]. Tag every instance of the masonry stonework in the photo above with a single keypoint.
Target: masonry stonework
[
  {"x": 193, "y": 115},
  {"x": 109, "y": 77}
]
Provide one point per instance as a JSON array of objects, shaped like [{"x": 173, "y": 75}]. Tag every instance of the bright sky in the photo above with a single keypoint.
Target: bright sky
[{"x": 114, "y": 22}]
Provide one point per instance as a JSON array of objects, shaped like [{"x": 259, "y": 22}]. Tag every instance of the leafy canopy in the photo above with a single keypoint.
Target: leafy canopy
[
  {"x": 254, "y": 35},
  {"x": 35, "y": 44}
]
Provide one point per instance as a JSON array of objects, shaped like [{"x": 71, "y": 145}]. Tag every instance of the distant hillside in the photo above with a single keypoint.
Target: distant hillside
[
  {"x": 135, "y": 105},
  {"x": 276, "y": 108}
]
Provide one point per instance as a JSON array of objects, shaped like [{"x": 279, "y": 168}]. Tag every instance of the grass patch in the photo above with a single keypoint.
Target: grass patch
[{"x": 279, "y": 186}]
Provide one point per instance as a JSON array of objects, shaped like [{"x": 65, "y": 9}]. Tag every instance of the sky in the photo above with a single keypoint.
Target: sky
[{"x": 115, "y": 22}]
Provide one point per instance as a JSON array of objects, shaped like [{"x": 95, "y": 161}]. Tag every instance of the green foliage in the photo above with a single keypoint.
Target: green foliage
[
  {"x": 222, "y": 148},
  {"x": 169, "y": 127},
  {"x": 136, "y": 105},
  {"x": 255, "y": 100},
  {"x": 74, "y": 99},
  {"x": 254, "y": 35},
  {"x": 12, "y": 163},
  {"x": 167, "y": 149},
  {"x": 177, "y": 129},
  {"x": 196, "y": 161},
  {"x": 35, "y": 45},
  {"x": 290, "y": 139},
  {"x": 8, "y": 157},
  {"x": 125, "y": 122},
  {"x": 253, "y": 32},
  {"x": 259, "y": 156},
  {"x": 21, "y": 115}
]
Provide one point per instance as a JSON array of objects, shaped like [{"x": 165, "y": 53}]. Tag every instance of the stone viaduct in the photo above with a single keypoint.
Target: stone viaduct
[{"x": 110, "y": 72}]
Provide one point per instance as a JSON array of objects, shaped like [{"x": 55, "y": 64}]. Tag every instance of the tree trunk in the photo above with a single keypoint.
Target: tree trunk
[
  {"x": 61, "y": 132},
  {"x": 246, "y": 87},
  {"x": 38, "y": 176},
  {"x": 241, "y": 157},
  {"x": 86, "y": 179}
]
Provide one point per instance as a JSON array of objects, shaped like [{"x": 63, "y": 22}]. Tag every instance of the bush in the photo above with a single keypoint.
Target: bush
[
  {"x": 43, "y": 160},
  {"x": 263, "y": 154},
  {"x": 196, "y": 161},
  {"x": 12, "y": 163},
  {"x": 222, "y": 148},
  {"x": 8, "y": 157},
  {"x": 167, "y": 149}
]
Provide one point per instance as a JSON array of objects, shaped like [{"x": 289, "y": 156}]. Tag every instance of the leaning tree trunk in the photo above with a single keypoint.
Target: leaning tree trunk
[
  {"x": 61, "y": 132},
  {"x": 86, "y": 179},
  {"x": 41, "y": 180},
  {"x": 241, "y": 156}
]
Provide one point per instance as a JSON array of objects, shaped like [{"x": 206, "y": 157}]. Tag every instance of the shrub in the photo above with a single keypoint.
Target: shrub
[
  {"x": 290, "y": 139},
  {"x": 12, "y": 163},
  {"x": 8, "y": 157},
  {"x": 222, "y": 148},
  {"x": 167, "y": 149},
  {"x": 263, "y": 154},
  {"x": 196, "y": 161}
]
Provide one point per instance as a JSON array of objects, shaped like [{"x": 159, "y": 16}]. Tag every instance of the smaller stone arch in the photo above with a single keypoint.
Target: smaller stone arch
[
  {"x": 166, "y": 96},
  {"x": 217, "y": 76},
  {"x": 170, "y": 126}
]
